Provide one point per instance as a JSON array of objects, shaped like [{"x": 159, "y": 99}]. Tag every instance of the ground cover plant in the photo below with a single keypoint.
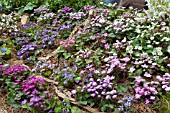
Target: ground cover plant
[{"x": 86, "y": 58}]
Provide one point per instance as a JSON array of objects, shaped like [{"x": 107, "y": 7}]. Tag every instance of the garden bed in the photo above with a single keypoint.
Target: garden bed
[{"x": 90, "y": 60}]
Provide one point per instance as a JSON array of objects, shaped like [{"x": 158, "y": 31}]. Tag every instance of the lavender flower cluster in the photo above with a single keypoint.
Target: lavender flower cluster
[
  {"x": 88, "y": 8},
  {"x": 26, "y": 26},
  {"x": 41, "y": 10},
  {"x": 149, "y": 90},
  {"x": 23, "y": 41},
  {"x": 44, "y": 66},
  {"x": 114, "y": 63},
  {"x": 56, "y": 21},
  {"x": 84, "y": 54},
  {"x": 46, "y": 38},
  {"x": 29, "y": 39},
  {"x": 65, "y": 10},
  {"x": 126, "y": 103},
  {"x": 65, "y": 27},
  {"x": 68, "y": 76},
  {"x": 100, "y": 88},
  {"x": 26, "y": 51},
  {"x": 164, "y": 81},
  {"x": 77, "y": 15}
]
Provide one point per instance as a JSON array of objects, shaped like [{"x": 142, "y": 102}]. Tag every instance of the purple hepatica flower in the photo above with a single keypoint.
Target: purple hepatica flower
[
  {"x": 50, "y": 111},
  {"x": 64, "y": 111},
  {"x": 3, "y": 50},
  {"x": 64, "y": 103},
  {"x": 24, "y": 102},
  {"x": 35, "y": 99},
  {"x": 56, "y": 22},
  {"x": 1, "y": 7}
]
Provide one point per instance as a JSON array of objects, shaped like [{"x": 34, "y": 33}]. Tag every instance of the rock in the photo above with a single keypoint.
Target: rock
[{"x": 24, "y": 19}]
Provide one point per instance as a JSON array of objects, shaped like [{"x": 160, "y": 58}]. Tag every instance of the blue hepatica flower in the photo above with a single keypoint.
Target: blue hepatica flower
[
  {"x": 1, "y": 7},
  {"x": 3, "y": 50}
]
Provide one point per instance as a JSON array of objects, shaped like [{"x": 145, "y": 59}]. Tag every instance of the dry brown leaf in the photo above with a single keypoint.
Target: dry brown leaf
[
  {"x": 24, "y": 19},
  {"x": 48, "y": 80}
]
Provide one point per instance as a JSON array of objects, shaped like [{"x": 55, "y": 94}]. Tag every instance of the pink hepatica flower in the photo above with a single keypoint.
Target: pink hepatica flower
[
  {"x": 168, "y": 65},
  {"x": 159, "y": 78},
  {"x": 139, "y": 79},
  {"x": 108, "y": 78},
  {"x": 167, "y": 89},
  {"x": 144, "y": 66},
  {"x": 137, "y": 96},
  {"x": 114, "y": 96},
  {"x": 73, "y": 92},
  {"x": 147, "y": 101},
  {"x": 107, "y": 46},
  {"x": 126, "y": 59},
  {"x": 147, "y": 74},
  {"x": 103, "y": 41},
  {"x": 108, "y": 97},
  {"x": 152, "y": 97}
]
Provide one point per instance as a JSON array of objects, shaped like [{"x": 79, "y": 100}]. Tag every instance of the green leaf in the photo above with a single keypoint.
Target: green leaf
[
  {"x": 78, "y": 78},
  {"x": 21, "y": 10},
  {"x": 29, "y": 6},
  {"x": 57, "y": 109},
  {"x": 103, "y": 109},
  {"x": 15, "y": 106},
  {"x": 88, "y": 61},
  {"x": 66, "y": 55},
  {"x": 83, "y": 102},
  {"x": 92, "y": 104},
  {"x": 75, "y": 110},
  {"x": 47, "y": 73}
]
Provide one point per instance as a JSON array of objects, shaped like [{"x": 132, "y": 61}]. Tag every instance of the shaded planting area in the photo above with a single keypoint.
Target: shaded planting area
[{"x": 90, "y": 60}]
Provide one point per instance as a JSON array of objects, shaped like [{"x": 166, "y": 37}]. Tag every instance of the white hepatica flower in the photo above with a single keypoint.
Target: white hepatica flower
[
  {"x": 129, "y": 49},
  {"x": 152, "y": 38},
  {"x": 149, "y": 46},
  {"x": 166, "y": 39},
  {"x": 140, "y": 48},
  {"x": 168, "y": 49},
  {"x": 154, "y": 52}
]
